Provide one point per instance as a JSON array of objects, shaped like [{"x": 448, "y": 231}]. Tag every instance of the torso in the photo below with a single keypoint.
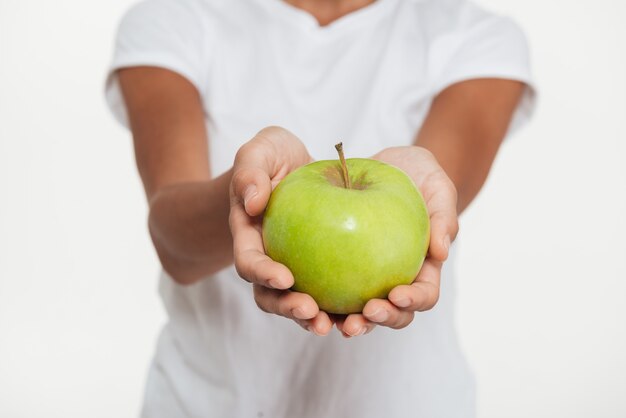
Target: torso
[{"x": 366, "y": 80}]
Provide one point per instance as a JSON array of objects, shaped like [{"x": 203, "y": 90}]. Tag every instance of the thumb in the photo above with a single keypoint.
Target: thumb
[
  {"x": 250, "y": 186},
  {"x": 267, "y": 157},
  {"x": 444, "y": 223},
  {"x": 443, "y": 230}
]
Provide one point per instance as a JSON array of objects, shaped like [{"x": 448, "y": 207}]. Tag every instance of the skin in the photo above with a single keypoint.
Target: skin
[
  {"x": 200, "y": 225},
  {"x": 327, "y": 11}
]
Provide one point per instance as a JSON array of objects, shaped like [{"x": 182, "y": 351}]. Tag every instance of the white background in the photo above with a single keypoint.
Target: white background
[{"x": 542, "y": 309}]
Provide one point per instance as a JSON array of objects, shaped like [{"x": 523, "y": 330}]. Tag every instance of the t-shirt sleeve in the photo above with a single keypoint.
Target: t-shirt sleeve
[
  {"x": 158, "y": 33},
  {"x": 484, "y": 45}
]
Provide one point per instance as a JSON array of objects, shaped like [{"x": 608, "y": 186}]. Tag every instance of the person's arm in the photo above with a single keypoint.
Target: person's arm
[
  {"x": 189, "y": 211},
  {"x": 191, "y": 215},
  {"x": 449, "y": 163},
  {"x": 465, "y": 127},
  {"x": 188, "y": 218}
]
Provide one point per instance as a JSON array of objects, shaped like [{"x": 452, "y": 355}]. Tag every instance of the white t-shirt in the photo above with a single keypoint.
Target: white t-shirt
[{"x": 367, "y": 79}]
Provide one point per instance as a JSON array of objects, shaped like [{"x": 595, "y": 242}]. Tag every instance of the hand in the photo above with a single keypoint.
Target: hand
[
  {"x": 259, "y": 166},
  {"x": 398, "y": 310}
]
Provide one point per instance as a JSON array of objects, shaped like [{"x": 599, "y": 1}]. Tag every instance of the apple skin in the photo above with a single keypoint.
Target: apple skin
[{"x": 347, "y": 246}]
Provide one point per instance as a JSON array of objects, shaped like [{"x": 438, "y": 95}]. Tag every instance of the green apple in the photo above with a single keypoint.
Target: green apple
[{"x": 348, "y": 233}]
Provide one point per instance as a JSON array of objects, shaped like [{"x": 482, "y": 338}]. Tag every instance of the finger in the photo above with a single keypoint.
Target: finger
[
  {"x": 261, "y": 163},
  {"x": 423, "y": 293},
  {"x": 339, "y": 320},
  {"x": 320, "y": 325},
  {"x": 251, "y": 262},
  {"x": 292, "y": 305},
  {"x": 383, "y": 312},
  {"x": 251, "y": 187},
  {"x": 355, "y": 325},
  {"x": 441, "y": 201}
]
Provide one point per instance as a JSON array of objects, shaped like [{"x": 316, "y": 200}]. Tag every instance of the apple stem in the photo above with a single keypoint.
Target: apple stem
[{"x": 344, "y": 167}]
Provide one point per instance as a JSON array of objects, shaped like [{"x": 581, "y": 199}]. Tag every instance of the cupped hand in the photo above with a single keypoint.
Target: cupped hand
[
  {"x": 259, "y": 166},
  {"x": 398, "y": 310}
]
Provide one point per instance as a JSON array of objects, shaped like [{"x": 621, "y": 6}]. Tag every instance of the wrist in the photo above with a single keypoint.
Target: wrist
[{"x": 188, "y": 223}]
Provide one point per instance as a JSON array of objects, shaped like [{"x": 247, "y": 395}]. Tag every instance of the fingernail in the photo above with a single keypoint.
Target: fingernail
[
  {"x": 276, "y": 284},
  {"x": 402, "y": 302},
  {"x": 344, "y": 334},
  {"x": 446, "y": 242},
  {"x": 249, "y": 193},
  {"x": 379, "y": 315},
  {"x": 360, "y": 332},
  {"x": 312, "y": 329},
  {"x": 299, "y": 313}
]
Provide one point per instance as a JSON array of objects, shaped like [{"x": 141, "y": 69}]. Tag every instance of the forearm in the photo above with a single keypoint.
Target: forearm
[
  {"x": 189, "y": 227},
  {"x": 465, "y": 128},
  {"x": 467, "y": 166},
  {"x": 188, "y": 218}
]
